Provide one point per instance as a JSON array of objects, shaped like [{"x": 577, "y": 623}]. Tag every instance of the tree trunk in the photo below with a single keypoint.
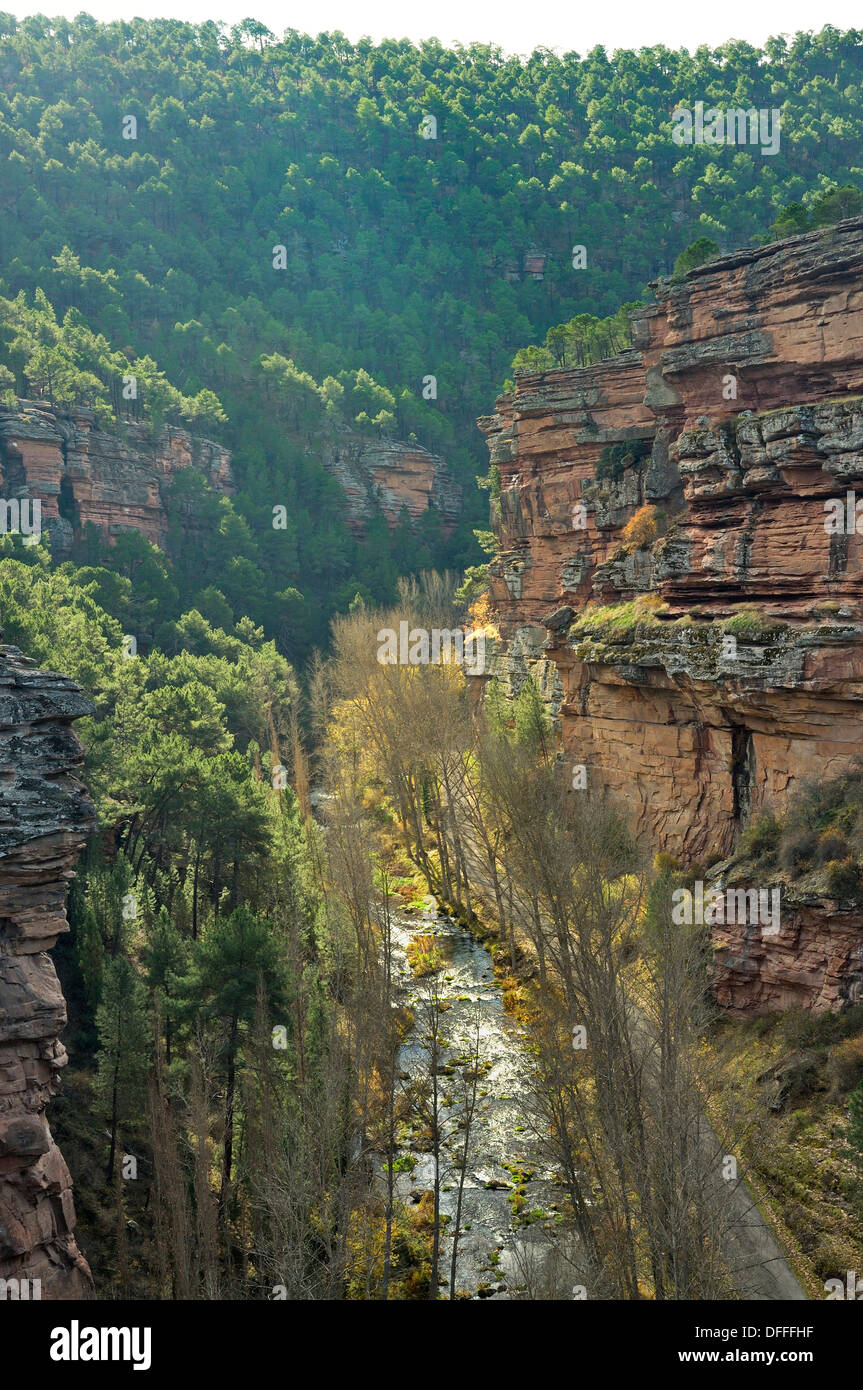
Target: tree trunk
[
  {"x": 195, "y": 894},
  {"x": 112, "y": 1152},
  {"x": 228, "y": 1157}
]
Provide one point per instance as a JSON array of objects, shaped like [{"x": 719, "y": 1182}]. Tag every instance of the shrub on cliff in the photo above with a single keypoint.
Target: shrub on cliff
[
  {"x": 761, "y": 837},
  {"x": 822, "y": 827},
  {"x": 842, "y": 878},
  {"x": 832, "y": 845},
  {"x": 697, "y": 253},
  {"x": 798, "y": 850},
  {"x": 474, "y": 586},
  {"x": 642, "y": 528},
  {"x": 491, "y": 482},
  {"x": 845, "y": 1064},
  {"x": 665, "y": 863},
  {"x": 616, "y": 458},
  {"x": 830, "y": 804},
  {"x": 800, "y": 1028}
]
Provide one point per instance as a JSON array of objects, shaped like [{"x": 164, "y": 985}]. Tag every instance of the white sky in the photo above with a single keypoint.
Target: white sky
[{"x": 517, "y": 27}]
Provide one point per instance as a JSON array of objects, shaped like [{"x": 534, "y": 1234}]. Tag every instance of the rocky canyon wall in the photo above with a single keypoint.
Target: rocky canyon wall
[
  {"x": 45, "y": 816},
  {"x": 119, "y": 480},
  {"x": 740, "y": 405},
  {"x": 81, "y": 473},
  {"x": 385, "y": 475}
]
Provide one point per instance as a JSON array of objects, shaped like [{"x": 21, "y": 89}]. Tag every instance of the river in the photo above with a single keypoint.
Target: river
[{"x": 503, "y": 1253}]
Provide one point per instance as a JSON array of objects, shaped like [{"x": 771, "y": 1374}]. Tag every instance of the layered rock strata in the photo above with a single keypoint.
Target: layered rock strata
[
  {"x": 119, "y": 481},
  {"x": 702, "y": 676},
  {"x": 814, "y": 963},
  {"x": 45, "y": 816},
  {"x": 386, "y": 475},
  {"x": 80, "y": 473}
]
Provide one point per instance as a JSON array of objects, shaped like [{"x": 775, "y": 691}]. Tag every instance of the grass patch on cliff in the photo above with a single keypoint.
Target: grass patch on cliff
[
  {"x": 751, "y": 625},
  {"x": 620, "y": 619},
  {"x": 644, "y": 614}
]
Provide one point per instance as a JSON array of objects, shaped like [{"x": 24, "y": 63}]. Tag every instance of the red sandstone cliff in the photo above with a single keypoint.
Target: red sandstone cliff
[
  {"x": 744, "y": 387},
  {"x": 118, "y": 481},
  {"x": 85, "y": 474},
  {"x": 378, "y": 474},
  {"x": 44, "y": 817}
]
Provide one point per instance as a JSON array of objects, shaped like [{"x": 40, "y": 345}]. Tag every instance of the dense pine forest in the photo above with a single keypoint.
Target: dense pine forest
[
  {"x": 278, "y": 238},
  {"x": 405, "y": 257}
]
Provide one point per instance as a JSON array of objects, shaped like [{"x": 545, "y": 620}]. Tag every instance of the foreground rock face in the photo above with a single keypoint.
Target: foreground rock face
[
  {"x": 44, "y": 818},
  {"x": 815, "y": 962},
  {"x": 741, "y": 406}
]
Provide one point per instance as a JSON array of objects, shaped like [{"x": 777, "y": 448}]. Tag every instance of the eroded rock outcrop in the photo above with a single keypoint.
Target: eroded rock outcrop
[
  {"x": 702, "y": 676},
  {"x": 378, "y": 474},
  {"x": 815, "y": 962},
  {"x": 81, "y": 473},
  {"x": 45, "y": 816},
  {"x": 119, "y": 480}
]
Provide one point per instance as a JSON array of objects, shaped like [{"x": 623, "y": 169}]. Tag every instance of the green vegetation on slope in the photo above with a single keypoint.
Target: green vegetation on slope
[{"x": 404, "y": 257}]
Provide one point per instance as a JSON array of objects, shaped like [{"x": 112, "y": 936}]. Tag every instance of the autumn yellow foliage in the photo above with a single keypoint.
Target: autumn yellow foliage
[
  {"x": 481, "y": 616},
  {"x": 642, "y": 528}
]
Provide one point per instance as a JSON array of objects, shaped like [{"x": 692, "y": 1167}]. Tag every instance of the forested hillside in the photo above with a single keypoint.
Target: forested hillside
[
  {"x": 341, "y": 921},
  {"x": 405, "y": 257}
]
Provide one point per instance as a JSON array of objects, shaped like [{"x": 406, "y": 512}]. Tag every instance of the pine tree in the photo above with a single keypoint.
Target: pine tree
[
  {"x": 166, "y": 960},
  {"x": 496, "y": 708},
  {"x": 123, "y": 1058},
  {"x": 532, "y": 720},
  {"x": 221, "y": 988}
]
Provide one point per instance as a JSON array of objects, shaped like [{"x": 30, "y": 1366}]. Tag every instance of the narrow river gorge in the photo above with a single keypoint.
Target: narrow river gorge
[{"x": 511, "y": 1196}]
